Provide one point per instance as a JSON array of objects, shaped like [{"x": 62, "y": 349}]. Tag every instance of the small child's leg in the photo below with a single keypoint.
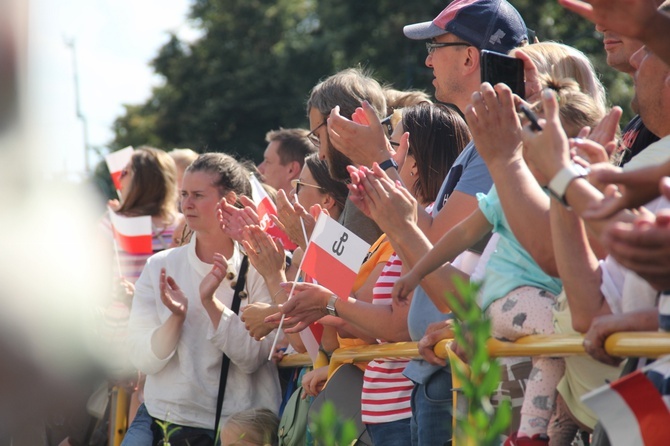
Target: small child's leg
[{"x": 527, "y": 311}]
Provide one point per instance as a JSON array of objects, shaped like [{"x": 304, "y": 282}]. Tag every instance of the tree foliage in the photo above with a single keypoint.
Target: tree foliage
[{"x": 256, "y": 60}]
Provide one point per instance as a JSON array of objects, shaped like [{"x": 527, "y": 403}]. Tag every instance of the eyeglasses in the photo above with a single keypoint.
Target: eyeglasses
[
  {"x": 432, "y": 46},
  {"x": 296, "y": 184},
  {"x": 315, "y": 139},
  {"x": 388, "y": 125}
]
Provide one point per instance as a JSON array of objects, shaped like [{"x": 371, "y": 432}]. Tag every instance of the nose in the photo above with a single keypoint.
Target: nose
[
  {"x": 261, "y": 168},
  {"x": 601, "y": 29},
  {"x": 185, "y": 202},
  {"x": 322, "y": 152},
  {"x": 429, "y": 60}
]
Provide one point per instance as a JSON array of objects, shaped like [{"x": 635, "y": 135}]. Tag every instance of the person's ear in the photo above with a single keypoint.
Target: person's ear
[
  {"x": 327, "y": 202},
  {"x": 471, "y": 63},
  {"x": 294, "y": 169}
]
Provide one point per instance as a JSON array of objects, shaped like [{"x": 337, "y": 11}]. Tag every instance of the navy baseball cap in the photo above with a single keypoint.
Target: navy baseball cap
[{"x": 487, "y": 24}]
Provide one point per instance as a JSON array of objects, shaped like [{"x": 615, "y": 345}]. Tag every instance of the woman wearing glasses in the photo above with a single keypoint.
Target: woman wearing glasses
[
  {"x": 431, "y": 136},
  {"x": 316, "y": 186}
]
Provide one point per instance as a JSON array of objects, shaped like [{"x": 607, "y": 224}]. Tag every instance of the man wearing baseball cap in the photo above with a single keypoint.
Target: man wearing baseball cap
[
  {"x": 453, "y": 40},
  {"x": 456, "y": 35}
]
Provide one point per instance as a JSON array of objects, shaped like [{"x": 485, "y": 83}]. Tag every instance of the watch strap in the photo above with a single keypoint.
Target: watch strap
[
  {"x": 388, "y": 163},
  {"x": 559, "y": 184},
  {"x": 331, "y": 306}
]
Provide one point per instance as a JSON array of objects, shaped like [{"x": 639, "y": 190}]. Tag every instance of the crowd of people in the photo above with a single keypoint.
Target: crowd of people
[{"x": 563, "y": 221}]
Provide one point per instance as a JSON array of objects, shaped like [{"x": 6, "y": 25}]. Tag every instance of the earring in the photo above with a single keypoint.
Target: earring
[{"x": 411, "y": 174}]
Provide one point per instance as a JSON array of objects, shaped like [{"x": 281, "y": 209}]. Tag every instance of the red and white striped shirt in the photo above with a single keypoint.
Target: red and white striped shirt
[{"x": 386, "y": 392}]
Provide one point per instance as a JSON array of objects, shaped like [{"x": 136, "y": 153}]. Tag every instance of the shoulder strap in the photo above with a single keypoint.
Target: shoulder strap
[{"x": 225, "y": 365}]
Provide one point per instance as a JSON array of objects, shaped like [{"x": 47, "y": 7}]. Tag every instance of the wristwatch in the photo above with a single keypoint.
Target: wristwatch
[
  {"x": 388, "y": 163},
  {"x": 330, "y": 308},
  {"x": 559, "y": 184}
]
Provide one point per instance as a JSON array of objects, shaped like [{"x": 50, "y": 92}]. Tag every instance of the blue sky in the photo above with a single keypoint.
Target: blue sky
[{"x": 115, "y": 40}]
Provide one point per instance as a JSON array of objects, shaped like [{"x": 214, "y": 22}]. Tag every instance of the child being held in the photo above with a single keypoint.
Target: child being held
[{"x": 517, "y": 295}]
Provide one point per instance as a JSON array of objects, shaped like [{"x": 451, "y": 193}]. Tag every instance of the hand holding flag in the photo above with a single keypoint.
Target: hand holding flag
[
  {"x": 116, "y": 162},
  {"x": 132, "y": 234},
  {"x": 265, "y": 209}
]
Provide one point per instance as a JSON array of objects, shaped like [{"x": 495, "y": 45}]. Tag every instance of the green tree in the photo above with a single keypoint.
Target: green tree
[{"x": 256, "y": 60}]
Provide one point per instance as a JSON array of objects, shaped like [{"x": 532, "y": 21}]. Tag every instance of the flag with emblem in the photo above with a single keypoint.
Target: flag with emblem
[{"x": 333, "y": 256}]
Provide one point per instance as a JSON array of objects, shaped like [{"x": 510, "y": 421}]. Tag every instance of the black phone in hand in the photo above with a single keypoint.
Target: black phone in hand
[{"x": 499, "y": 68}]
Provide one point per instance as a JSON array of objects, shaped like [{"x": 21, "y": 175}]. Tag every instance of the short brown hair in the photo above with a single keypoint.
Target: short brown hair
[{"x": 293, "y": 145}]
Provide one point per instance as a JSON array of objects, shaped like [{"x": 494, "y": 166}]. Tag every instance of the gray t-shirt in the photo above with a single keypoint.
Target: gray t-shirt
[{"x": 469, "y": 175}]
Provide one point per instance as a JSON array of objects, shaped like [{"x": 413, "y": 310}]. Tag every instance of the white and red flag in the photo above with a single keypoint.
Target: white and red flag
[
  {"x": 333, "y": 256},
  {"x": 634, "y": 410},
  {"x": 116, "y": 161},
  {"x": 133, "y": 234},
  {"x": 265, "y": 207}
]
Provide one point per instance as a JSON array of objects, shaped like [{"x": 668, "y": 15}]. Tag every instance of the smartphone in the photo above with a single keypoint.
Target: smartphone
[
  {"x": 534, "y": 125},
  {"x": 499, "y": 68}
]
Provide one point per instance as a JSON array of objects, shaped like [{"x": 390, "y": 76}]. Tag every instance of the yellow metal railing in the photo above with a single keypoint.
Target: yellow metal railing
[{"x": 628, "y": 344}]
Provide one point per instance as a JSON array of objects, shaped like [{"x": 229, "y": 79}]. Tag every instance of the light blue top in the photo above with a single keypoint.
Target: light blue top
[
  {"x": 510, "y": 265},
  {"x": 469, "y": 175}
]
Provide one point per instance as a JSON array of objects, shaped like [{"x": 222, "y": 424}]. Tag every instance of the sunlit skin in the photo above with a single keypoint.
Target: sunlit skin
[
  {"x": 308, "y": 196},
  {"x": 199, "y": 198},
  {"x": 619, "y": 49},
  {"x": 449, "y": 79},
  {"x": 274, "y": 172}
]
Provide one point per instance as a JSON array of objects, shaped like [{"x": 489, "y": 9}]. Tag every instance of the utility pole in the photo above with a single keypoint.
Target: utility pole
[{"x": 70, "y": 43}]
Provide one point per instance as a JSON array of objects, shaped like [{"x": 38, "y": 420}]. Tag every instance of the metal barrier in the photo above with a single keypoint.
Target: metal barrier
[{"x": 625, "y": 344}]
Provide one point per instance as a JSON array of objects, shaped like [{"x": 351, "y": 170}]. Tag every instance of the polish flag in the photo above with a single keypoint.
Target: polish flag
[
  {"x": 333, "y": 256},
  {"x": 116, "y": 161},
  {"x": 311, "y": 338},
  {"x": 133, "y": 234},
  {"x": 632, "y": 409},
  {"x": 265, "y": 207}
]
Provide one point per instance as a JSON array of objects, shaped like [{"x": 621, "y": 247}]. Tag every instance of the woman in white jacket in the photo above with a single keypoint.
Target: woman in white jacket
[{"x": 181, "y": 321}]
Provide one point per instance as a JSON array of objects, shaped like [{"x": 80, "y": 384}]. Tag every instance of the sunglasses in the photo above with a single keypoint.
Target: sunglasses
[{"x": 297, "y": 184}]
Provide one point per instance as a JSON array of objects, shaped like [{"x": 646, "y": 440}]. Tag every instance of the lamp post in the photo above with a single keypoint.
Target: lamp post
[{"x": 70, "y": 43}]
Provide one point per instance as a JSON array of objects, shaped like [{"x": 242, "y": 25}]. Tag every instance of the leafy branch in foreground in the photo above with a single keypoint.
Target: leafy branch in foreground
[
  {"x": 482, "y": 425},
  {"x": 328, "y": 430}
]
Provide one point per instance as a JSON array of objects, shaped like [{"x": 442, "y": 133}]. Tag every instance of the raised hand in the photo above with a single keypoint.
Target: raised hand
[
  {"x": 172, "y": 296},
  {"x": 363, "y": 143},
  {"x": 391, "y": 205},
  {"x": 233, "y": 219},
  {"x": 547, "y": 150},
  {"x": 212, "y": 280},
  {"x": 288, "y": 219},
  {"x": 265, "y": 254},
  {"x": 631, "y": 18},
  {"x": 494, "y": 124}
]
